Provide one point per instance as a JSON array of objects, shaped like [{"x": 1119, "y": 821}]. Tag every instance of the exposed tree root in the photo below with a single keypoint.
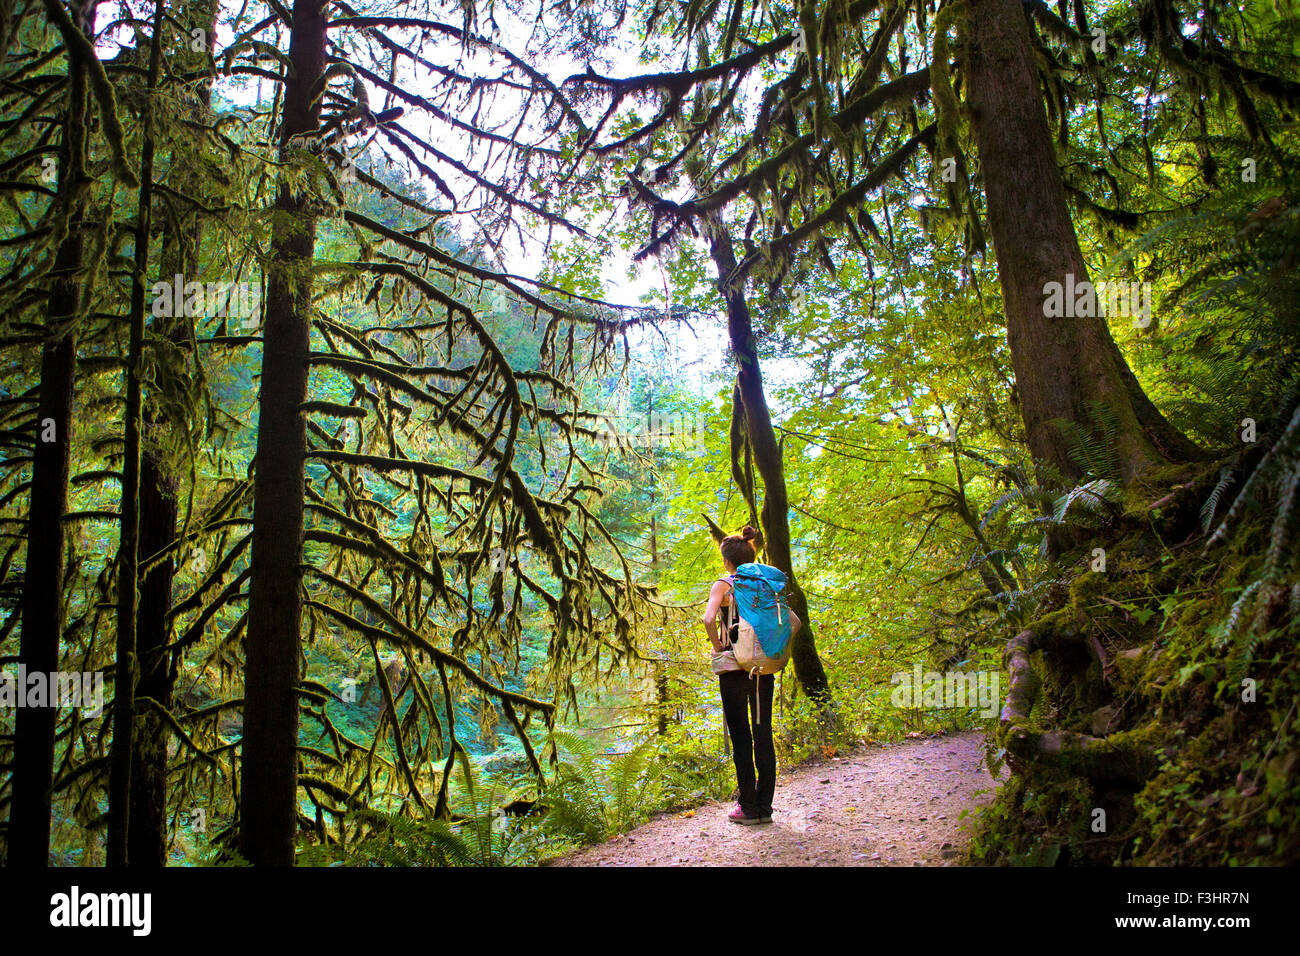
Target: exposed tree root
[{"x": 1127, "y": 757}]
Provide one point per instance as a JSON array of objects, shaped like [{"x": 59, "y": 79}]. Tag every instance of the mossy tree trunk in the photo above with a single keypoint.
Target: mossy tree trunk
[
  {"x": 147, "y": 822},
  {"x": 128, "y": 554},
  {"x": 1061, "y": 364},
  {"x": 751, "y": 428},
  {"x": 766, "y": 452},
  {"x": 42, "y": 596},
  {"x": 269, "y": 766},
  {"x": 159, "y": 512}
]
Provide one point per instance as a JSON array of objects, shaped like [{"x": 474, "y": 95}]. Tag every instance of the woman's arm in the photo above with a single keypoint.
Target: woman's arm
[{"x": 716, "y": 594}]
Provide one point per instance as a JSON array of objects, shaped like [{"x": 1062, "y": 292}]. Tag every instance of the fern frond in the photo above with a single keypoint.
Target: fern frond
[
  {"x": 1212, "y": 503},
  {"x": 631, "y": 777},
  {"x": 1093, "y": 448},
  {"x": 1234, "y": 615},
  {"x": 588, "y": 803},
  {"x": 1097, "y": 497},
  {"x": 1283, "y": 535},
  {"x": 1031, "y": 495},
  {"x": 1284, "y": 448}
]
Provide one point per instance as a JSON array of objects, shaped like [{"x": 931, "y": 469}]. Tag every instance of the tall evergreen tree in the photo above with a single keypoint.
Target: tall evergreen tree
[
  {"x": 268, "y": 804},
  {"x": 69, "y": 287}
]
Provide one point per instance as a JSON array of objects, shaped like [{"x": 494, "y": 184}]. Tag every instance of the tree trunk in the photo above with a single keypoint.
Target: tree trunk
[
  {"x": 42, "y": 597},
  {"x": 1061, "y": 364},
  {"x": 663, "y": 700},
  {"x": 147, "y": 829},
  {"x": 766, "y": 451},
  {"x": 269, "y": 764},
  {"x": 128, "y": 552}
]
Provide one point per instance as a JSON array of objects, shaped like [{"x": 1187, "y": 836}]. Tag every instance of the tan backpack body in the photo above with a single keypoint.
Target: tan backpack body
[{"x": 750, "y": 654}]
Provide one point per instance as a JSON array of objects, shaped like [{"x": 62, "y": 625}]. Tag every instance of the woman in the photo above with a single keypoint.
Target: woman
[{"x": 741, "y": 693}]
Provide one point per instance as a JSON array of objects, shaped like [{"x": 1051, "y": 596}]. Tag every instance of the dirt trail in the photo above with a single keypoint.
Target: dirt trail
[{"x": 885, "y": 805}]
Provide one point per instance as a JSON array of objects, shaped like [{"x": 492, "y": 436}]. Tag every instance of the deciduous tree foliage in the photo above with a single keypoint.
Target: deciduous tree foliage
[{"x": 838, "y": 122}]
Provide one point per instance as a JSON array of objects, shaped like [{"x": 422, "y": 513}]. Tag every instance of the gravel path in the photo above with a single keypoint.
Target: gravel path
[{"x": 885, "y": 805}]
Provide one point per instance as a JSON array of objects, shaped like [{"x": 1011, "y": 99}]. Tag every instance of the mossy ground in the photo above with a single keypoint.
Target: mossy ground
[{"x": 1214, "y": 702}]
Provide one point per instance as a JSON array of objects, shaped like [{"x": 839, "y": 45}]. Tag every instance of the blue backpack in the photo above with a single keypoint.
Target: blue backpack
[{"x": 766, "y": 623}]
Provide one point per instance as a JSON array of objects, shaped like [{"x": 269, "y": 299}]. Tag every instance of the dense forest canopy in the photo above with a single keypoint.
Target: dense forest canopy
[{"x": 378, "y": 378}]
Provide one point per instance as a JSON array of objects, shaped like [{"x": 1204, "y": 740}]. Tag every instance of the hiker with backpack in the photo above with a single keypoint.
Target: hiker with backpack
[{"x": 753, "y": 646}]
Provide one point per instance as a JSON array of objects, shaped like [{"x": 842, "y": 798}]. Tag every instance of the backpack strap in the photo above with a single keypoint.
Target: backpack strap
[
  {"x": 730, "y": 579},
  {"x": 729, "y": 618}
]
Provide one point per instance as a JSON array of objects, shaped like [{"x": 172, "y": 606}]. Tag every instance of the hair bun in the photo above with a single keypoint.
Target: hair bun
[{"x": 749, "y": 533}]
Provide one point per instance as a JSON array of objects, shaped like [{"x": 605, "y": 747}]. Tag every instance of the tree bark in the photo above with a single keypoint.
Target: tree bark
[
  {"x": 763, "y": 451},
  {"x": 147, "y": 822},
  {"x": 1061, "y": 364},
  {"x": 128, "y": 552},
  {"x": 766, "y": 452},
  {"x": 269, "y": 764},
  {"x": 159, "y": 512},
  {"x": 42, "y": 597},
  {"x": 663, "y": 700}
]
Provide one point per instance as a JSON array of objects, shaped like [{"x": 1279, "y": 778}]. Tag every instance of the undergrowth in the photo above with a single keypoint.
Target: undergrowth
[{"x": 1200, "y": 636}]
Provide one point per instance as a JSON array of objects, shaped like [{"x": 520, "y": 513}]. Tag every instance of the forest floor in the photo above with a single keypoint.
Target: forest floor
[{"x": 895, "y": 804}]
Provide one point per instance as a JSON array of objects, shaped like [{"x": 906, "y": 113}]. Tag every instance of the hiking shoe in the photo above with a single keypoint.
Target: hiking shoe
[{"x": 739, "y": 816}]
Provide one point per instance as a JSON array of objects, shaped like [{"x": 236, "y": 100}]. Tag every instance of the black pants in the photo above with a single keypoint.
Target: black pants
[{"x": 751, "y": 749}]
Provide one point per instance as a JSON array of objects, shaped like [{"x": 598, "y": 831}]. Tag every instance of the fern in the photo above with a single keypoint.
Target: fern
[
  {"x": 1282, "y": 535},
  {"x": 1096, "y": 498},
  {"x": 1212, "y": 503},
  {"x": 1020, "y": 602},
  {"x": 1233, "y": 348},
  {"x": 631, "y": 779},
  {"x": 483, "y": 836},
  {"x": 1093, "y": 448},
  {"x": 1234, "y": 614},
  {"x": 586, "y": 802},
  {"x": 1277, "y": 475},
  {"x": 1279, "y": 470},
  {"x": 1035, "y": 495},
  {"x": 1245, "y": 650},
  {"x": 1277, "y": 467}
]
